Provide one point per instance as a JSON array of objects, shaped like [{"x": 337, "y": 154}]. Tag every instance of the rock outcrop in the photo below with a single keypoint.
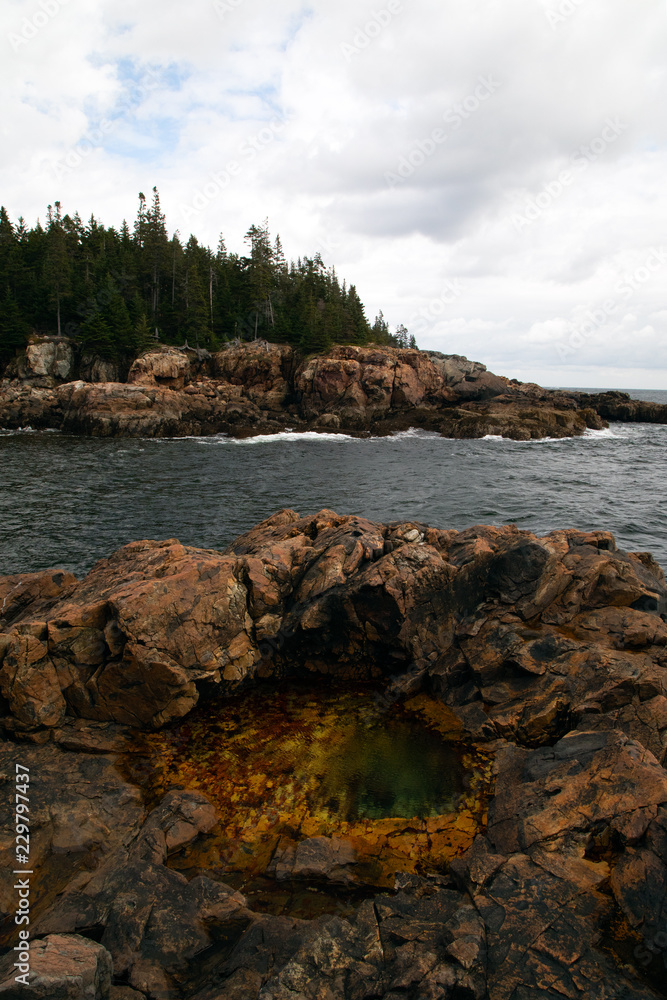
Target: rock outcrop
[
  {"x": 264, "y": 388},
  {"x": 550, "y": 653},
  {"x": 45, "y": 363},
  {"x": 619, "y": 406}
]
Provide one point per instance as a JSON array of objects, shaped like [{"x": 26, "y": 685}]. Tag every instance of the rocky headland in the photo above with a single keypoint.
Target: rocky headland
[
  {"x": 258, "y": 387},
  {"x": 546, "y": 656}
]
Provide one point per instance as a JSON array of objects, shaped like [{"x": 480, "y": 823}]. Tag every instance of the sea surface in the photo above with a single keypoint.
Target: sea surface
[{"x": 69, "y": 501}]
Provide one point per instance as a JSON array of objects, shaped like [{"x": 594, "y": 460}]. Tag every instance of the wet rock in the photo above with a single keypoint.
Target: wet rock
[
  {"x": 326, "y": 859},
  {"x": 81, "y": 810},
  {"x": 180, "y": 818},
  {"x": 620, "y": 406}
]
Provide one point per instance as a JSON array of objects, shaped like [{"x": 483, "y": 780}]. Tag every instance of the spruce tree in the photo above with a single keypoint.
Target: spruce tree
[
  {"x": 57, "y": 274},
  {"x": 13, "y": 328}
]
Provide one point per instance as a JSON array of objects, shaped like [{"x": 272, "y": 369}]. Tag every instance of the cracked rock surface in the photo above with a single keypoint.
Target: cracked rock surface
[{"x": 550, "y": 651}]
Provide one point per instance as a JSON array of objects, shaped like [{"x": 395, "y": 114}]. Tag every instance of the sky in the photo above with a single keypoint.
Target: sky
[{"x": 489, "y": 173}]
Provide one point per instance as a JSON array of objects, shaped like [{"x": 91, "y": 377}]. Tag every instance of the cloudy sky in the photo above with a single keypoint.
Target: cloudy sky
[{"x": 491, "y": 173}]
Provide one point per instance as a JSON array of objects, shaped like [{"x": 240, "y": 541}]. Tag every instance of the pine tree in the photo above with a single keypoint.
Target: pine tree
[
  {"x": 56, "y": 265},
  {"x": 13, "y": 328},
  {"x": 140, "y": 222},
  {"x": 117, "y": 318},
  {"x": 96, "y": 337},
  {"x": 260, "y": 270},
  {"x": 401, "y": 336},
  {"x": 156, "y": 246},
  {"x": 197, "y": 329},
  {"x": 143, "y": 335},
  {"x": 116, "y": 288}
]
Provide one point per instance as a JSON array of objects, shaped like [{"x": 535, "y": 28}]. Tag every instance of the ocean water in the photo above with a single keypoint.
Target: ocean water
[{"x": 68, "y": 501}]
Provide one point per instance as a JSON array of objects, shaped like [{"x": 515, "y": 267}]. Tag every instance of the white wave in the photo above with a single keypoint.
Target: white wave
[
  {"x": 9, "y": 432},
  {"x": 412, "y": 434},
  {"x": 544, "y": 440},
  {"x": 290, "y": 437},
  {"x": 601, "y": 435}
]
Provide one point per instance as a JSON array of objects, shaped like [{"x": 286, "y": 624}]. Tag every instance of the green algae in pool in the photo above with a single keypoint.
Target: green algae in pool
[
  {"x": 389, "y": 767},
  {"x": 283, "y": 764},
  {"x": 354, "y": 757}
]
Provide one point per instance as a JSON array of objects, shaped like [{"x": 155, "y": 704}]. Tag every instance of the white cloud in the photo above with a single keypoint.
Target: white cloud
[{"x": 187, "y": 89}]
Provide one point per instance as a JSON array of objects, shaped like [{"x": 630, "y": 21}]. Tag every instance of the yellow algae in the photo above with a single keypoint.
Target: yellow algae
[{"x": 286, "y": 764}]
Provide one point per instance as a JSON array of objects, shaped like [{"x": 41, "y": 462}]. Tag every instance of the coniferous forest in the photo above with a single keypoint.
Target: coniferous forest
[{"x": 118, "y": 291}]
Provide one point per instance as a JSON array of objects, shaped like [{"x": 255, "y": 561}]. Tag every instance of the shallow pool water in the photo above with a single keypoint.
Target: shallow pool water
[{"x": 287, "y": 763}]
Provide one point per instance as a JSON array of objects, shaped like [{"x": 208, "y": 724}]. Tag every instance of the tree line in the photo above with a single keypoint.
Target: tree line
[{"x": 117, "y": 291}]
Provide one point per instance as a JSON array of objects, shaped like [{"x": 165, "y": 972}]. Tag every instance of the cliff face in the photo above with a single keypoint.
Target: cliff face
[
  {"x": 549, "y": 654},
  {"x": 263, "y": 388}
]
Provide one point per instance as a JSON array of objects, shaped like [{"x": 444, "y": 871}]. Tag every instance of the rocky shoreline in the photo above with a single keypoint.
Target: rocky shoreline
[
  {"x": 549, "y": 654},
  {"x": 260, "y": 388}
]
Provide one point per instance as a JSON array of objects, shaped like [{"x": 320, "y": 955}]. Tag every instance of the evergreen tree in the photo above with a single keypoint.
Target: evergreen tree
[
  {"x": 56, "y": 265},
  {"x": 197, "y": 329},
  {"x": 117, "y": 318},
  {"x": 401, "y": 336},
  {"x": 96, "y": 337},
  {"x": 143, "y": 335},
  {"x": 260, "y": 272},
  {"x": 156, "y": 246},
  {"x": 118, "y": 290},
  {"x": 13, "y": 328}
]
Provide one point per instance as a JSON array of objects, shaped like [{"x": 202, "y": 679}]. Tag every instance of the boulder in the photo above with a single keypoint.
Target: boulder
[
  {"x": 262, "y": 371},
  {"x": 549, "y": 652},
  {"x": 62, "y": 967},
  {"x": 326, "y": 859},
  {"x": 167, "y": 367},
  {"x": 95, "y": 369},
  {"x": 344, "y": 595},
  {"x": 46, "y": 362},
  {"x": 259, "y": 387}
]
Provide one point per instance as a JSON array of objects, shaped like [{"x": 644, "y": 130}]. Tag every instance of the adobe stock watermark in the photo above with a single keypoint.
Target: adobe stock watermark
[
  {"x": 94, "y": 138},
  {"x": 364, "y": 34},
  {"x": 219, "y": 180},
  {"x": 420, "y": 321},
  {"x": 31, "y": 26},
  {"x": 597, "y": 316},
  {"x": 580, "y": 160},
  {"x": 330, "y": 242},
  {"x": 455, "y": 116},
  {"x": 559, "y": 13},
  {"x": 225, "y": 7}
]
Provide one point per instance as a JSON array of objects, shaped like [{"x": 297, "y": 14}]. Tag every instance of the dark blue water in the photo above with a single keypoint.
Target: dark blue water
[{"x": 67, "y": 501}]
